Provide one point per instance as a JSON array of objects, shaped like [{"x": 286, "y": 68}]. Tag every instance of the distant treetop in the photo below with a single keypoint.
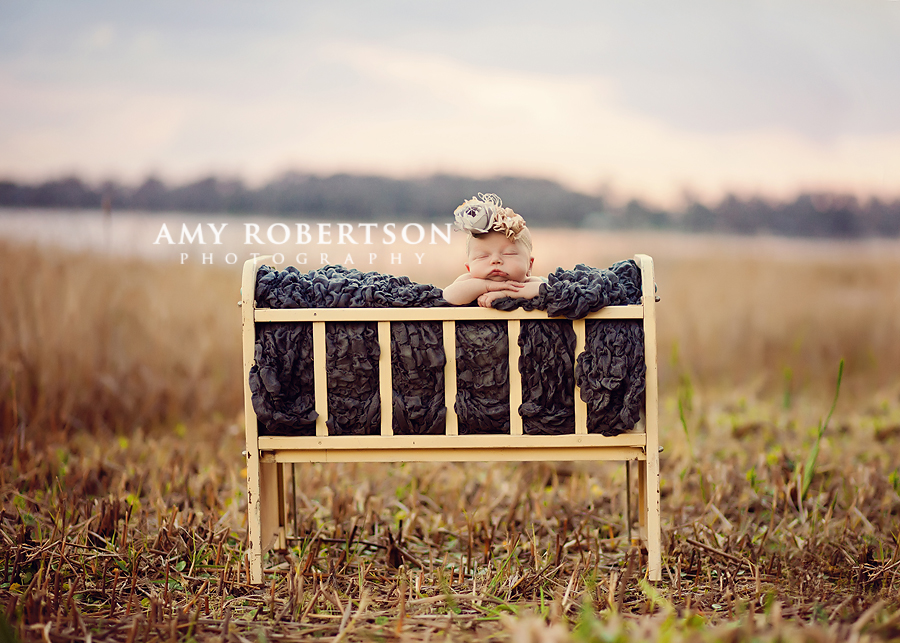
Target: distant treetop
[{"x": 541, "y": 202}]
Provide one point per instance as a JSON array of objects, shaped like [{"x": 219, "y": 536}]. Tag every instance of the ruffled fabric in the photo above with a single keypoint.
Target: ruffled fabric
[{"x": 610, "y": 372}]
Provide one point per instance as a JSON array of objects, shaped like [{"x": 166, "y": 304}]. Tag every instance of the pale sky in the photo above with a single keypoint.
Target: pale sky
[{"x": 651, "y": 99}]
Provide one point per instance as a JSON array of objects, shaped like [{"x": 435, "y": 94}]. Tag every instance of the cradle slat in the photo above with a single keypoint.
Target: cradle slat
[
  {"x": 449, "y": 330},
  {"x": 385, "y": 378},
  {"x": 492, "y": 441},
  {"x": 319, "y": 373},
  {"x": 462, "y": 313},
  {"x": 515, "y": 381},
  {"x": 455, "y": 454},
  {"x": 578, "y": 326}
]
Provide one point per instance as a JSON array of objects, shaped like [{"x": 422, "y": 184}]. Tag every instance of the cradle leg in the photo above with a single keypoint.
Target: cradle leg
[
  {"x": 270, "y": 506},
  {"x": 650, "y": 466},
  {"x": 296, "y": 533},
  {"x": 263, "y": 514},
  {"x": 642, "y": 498},
  {"x": 628, "y": 499},
  {"x": 282, "y": 507},
  {"x": 254, "y": 518},
  {"x": 651, "y": 514}
]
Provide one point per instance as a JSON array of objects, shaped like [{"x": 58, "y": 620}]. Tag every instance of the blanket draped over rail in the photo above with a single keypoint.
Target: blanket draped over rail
[{"x": 610, "y": 373}]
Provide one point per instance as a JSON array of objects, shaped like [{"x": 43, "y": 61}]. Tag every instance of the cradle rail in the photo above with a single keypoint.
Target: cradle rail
[{"x": 266, "y": 455}]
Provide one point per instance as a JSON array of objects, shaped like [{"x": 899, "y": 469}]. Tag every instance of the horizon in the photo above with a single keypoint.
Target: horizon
[{"x": 612, "y": 201}]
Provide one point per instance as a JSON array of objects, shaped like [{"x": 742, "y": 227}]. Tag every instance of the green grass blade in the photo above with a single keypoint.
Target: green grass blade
[{"x": 809, "y": 468}]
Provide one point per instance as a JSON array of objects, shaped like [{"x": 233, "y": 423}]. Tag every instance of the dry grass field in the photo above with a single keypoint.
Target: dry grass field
[{"x": 122, "y": 494}]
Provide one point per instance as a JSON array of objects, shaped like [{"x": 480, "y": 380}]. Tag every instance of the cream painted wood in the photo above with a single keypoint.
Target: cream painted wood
[
  {"x": 320, "y": 377},
  {"x": 642, "y": 497},
  {"x": 268, "y": 505},
  {"x": 513, "y": 326},
  {"x": 385, "y": 378},
  {"x": 628, "y": 518},
  {"x": 281, "y": 507},
  {"x": 460, "y": 313},
  {"x": 650, "y": 487},
  {"x": 449, "y": 330},
  {"x": 272, "y": 495},
  {"x": 522, "y": 454},
  {"x": 274, "y": 443},
  {"x": 578, "y": 326},
  {"x": 254, "y": 507},
  {"x": 265, "y": 453}
]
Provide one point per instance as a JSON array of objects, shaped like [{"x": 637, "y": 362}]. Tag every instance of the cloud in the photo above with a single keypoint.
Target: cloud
[
  {"x": 577, "y": 129},
  {"x": 650, "y": 99},
  {"x": 99, "y": 38}
]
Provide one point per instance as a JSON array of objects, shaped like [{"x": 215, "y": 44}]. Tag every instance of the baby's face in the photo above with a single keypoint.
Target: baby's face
[{"x": 495, "y": 257}]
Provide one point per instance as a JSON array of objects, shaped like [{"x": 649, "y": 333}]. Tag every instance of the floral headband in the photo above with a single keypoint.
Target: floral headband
[{"x": 485, "y": 213}]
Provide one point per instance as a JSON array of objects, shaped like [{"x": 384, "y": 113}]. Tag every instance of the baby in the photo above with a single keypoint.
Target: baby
[{"x": 499, "y": 251}]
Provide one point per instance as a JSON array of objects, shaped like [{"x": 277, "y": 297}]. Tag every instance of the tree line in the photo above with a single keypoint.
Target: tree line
[{"x": 541, "y": 202}]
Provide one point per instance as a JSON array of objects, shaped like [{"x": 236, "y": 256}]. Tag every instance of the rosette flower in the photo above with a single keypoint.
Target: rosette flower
[
  {"x": 475, "y": 215},
  {"x": 508, "y": 222}
]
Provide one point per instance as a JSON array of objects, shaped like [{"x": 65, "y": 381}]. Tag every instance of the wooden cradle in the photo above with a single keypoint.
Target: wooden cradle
[{"x": 267, "y": 455}]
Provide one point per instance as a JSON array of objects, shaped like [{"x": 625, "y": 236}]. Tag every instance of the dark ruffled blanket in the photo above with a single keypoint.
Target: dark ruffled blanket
[{"x": 610, "y": 372}]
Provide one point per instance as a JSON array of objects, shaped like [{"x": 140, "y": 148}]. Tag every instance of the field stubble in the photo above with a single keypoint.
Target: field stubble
[{"x": 122, "y": 495}]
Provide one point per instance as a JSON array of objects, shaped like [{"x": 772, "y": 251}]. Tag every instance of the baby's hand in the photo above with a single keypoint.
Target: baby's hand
[
  {"x": 494, "y": 286},
  {"x": 487, "y": 299},
  {"x": 528, "y": 290}
]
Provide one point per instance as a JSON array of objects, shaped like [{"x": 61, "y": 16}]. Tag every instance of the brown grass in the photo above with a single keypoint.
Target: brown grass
[
  {"x": 89, "y": 343},
  {"x": 123, "y": 504},
  {"x": 750, "y": 312}
]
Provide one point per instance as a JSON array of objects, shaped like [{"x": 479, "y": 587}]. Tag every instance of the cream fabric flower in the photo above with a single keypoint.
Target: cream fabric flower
[
  {"x": 476, "y": 215},
  {"x": 485, "y": 213},
  {"x": 508, "y": 222}
]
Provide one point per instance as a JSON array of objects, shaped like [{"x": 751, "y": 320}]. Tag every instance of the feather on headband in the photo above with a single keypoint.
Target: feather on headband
[{"x": 485, "y": 213}]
